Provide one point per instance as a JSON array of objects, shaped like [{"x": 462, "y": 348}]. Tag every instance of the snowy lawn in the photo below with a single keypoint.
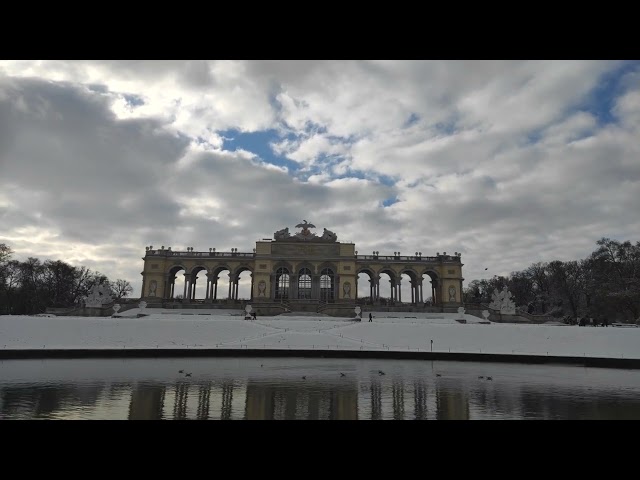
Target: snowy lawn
[{"x": 388, "y": 331}]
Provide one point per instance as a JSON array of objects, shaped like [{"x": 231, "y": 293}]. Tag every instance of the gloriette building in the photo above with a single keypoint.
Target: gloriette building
[{"x": 303, "y": 271}]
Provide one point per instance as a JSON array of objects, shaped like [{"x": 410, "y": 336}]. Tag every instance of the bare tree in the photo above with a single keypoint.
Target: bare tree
[
  {"x": 121, "y": 288},
  {"x": 567, "y": 281}
]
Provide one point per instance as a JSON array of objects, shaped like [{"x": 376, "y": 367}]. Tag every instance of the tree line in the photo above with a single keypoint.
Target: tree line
[
  {"x": 604, "y": 285},
  {"x": 32, "y": 286}
]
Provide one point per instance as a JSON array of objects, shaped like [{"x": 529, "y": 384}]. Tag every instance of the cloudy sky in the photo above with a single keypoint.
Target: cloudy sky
[{"x": 508, "y": 162}]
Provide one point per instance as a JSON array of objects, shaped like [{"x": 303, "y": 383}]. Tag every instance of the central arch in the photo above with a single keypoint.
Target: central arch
[{"x": 304, "y": 283}]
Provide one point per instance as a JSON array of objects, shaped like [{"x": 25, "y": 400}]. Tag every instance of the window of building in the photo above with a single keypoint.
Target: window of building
[
  {"x": 304, "y": 283},
  {"x": 282, "y": 284},
  {"x": 327, "y": 285}
]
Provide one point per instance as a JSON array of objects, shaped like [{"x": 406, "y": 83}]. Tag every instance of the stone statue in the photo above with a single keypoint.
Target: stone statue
[
  {"x": 503, "y": 302},
  {"x": 152, "y": 288},
  {"x": 329, "y": 236},
  {"x": 282, "y": 234},
  {"x": 452, "y": 293},
  {"x": 305, "y": 235},
  {"x": 99, "y": 295},
  {"x": 305, "y": 228},
  {"x": 346, "y": 289},
  {"x": 262, "y": 286}
]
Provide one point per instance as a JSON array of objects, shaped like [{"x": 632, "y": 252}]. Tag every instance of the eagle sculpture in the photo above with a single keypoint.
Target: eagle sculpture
[{"x": 305, "y": 225}]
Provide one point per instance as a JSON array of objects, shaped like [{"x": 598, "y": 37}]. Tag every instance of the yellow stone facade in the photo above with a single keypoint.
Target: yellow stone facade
[{"x": 302, "y": 270}]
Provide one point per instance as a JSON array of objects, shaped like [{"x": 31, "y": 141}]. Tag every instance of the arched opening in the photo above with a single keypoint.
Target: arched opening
[
  {"x": 430, "y": 295},
  {"x": 366, "y": 287},
  {"x": 304, "y": 283},
  {"x": 175, "y": 283},
  {"x": 409, "y": 288},
  {"x": 327, "y": 285},
  {"x": 199, "y": 282},
  {"x": 403, "y": 289},
  {"x": 282, "y": 284},
  {"x": 220, "y": 278},
  {"x": 387, "y": 293},
  {"x": 244, "y": 284}
]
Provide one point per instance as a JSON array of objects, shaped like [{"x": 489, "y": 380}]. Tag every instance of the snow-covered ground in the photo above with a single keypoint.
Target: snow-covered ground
[{"x": 391, "y": 331}]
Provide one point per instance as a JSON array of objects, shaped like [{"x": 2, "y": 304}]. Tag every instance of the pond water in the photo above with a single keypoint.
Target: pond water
[{"x": 298, "y": 388}]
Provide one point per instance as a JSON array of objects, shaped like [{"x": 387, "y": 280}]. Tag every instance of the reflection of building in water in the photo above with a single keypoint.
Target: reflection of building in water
[
  {"x": 386, "y": 398},
  {"x": 452, "y": 404},
  {"x": 420, "y": 400},
  {"x": 204, "y": 396},
  {"x": 484, "y": 402},
  {"x": 344, "y": 404},
  {"x": 147, "y": 402},
  {"x": 397, "y": 391},
  {"x": 227, "y": 400},
  {"x": 376, "y": 400},
  {"x": 266, "y": 402},
  {"x": 206, "y": 401},
  {"x": 180, "y": 402}
]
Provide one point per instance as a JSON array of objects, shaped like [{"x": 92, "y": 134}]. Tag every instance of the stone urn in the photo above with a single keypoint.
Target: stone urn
[
  {"x": 358, "y": 311},
  {"x": 116, "y": 308}
]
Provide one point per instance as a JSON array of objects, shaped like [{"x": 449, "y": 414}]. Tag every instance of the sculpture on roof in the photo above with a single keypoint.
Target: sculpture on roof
[{"x": 305, "y": 235}]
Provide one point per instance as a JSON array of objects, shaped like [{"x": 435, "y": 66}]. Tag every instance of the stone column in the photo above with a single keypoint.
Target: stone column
[
  {"x": 186, "y": 284},
  {"x": 192, "y": 286},
  {"x": 143, "y": 292},
  {"x": 434, "y": 298},
  {"x": 293, "y": 285},
  {"x": 273, "y": 286},
  {"x": 400, "y": 291},
  {"x": 207, "y": 294},
  {"x": 356, "y": 287},
  {"x": 231, "y": 285},
  {"x": 168, "y": 287},
  {"x": 315, "y": 287},
  {"x": 421, "y": 297},
  {"x": 413, "y": 295}
]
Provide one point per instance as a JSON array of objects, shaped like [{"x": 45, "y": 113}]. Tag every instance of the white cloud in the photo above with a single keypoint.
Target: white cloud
[{"x": 503, "y": 161}]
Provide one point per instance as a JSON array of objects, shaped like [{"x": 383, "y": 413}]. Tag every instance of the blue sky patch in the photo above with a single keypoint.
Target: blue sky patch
[
  {"x": 386, "y": 180},
  {"x": 390, "y": 201},
  {"x": 258, "y": 143},
  {"x": 412, "y": 120},
  {"x": 602, "y": 99},
  {"x": 133, "y": 100}
]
